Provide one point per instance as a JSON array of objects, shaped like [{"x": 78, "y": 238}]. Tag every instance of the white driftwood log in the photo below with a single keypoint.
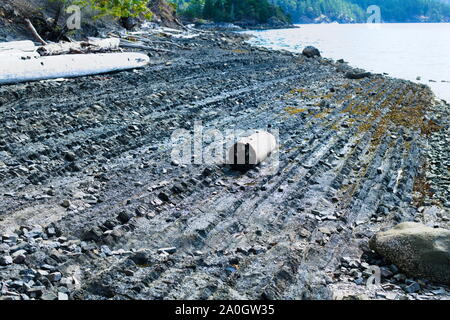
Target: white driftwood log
[
  {"x": 89, "y": 46},
  {"x": 15, "y": 69},
  {"x": 250, "y": 151},
  {"x": 26, "y": 46}
]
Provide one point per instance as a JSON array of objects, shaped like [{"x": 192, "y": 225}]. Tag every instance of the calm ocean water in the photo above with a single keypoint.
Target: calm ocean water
[{"x": 406, "y": 51}]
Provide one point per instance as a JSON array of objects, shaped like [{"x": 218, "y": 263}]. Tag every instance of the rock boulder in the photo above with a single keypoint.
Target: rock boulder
[
  {"x": 420, "y": 251},
  {"x": 311, "y": 52}
]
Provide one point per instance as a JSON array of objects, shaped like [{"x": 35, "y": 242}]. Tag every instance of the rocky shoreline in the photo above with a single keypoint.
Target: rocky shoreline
[
  {"x": 93, "y": 207},
  {"x": 243, "y": 26}
]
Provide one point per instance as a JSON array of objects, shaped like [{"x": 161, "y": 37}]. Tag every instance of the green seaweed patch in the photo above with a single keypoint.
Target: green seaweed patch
[
  {"x": 296, "y": 91},
  {"x": 293, "y": 111}
]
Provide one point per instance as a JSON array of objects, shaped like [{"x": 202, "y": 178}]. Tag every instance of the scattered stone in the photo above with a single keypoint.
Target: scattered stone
[
  {"x": 66, "y": 203},
  {"x": 95, "y": 234},
  {"x": 4, "y": 248},
  {"x": 394, "y": 269},
  {"x": 386, "y": 273},
  {"x": 412, "y": 288},
  {"x": 128, "y": 272},
  {"x": 6, "y": 260},
  {"x": 140, "y": 211},
  {"x": 51, "y": 231},
  {"x": 35, "y": 292},
  {"x": 42, "y": 273},
  {"x": 400, "y": 277},
  {"x": 387, "y": 295},
  {"x": 24, "y": 297},
  {"x": 49, "y": 296},
  {"x": 63, "y": 296},
  {"x": 55, "y": 276},
  {"x": 440, "y": 291},
  {"x": 48, "y": 267},
  {"x": 10, "y": 238},
  {"x": 304, "y": 233},
  {"x": 164, "y": 197},
  {"x": 69, "y": 156},
  {"x": 19, "y": 256},
  {"x": 140, "y": 258},
  {"x": 106, "y": 250},
  {"x": 325, "y": 230},
  {"x": 170, "y": 250},
  {"x": 125, "y": 216}
]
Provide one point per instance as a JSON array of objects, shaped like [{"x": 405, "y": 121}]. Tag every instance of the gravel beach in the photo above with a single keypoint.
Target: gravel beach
[{"x": 92, "y": 206}]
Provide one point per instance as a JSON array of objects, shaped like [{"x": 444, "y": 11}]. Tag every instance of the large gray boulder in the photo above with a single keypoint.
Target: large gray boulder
[
  {"x": 418, "y": 250},
  {"x": 311, "y": 52}
]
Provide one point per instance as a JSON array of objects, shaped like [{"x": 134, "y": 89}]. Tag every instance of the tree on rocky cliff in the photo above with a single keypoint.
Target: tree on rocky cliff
[
  {"x": 117, "y": 8},
  {"x": 192, "y": 9}
]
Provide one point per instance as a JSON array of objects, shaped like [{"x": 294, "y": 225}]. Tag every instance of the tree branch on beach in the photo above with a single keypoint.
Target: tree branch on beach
[{"x": 33, "y": 31}]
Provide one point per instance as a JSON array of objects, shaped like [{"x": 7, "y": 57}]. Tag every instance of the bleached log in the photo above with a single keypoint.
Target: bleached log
[
  {"x": 26, "y": 46},
  {"x": 249, "y": 152},
  {"x": 34, "y": 32},
  {"x": 90, "y": 46},
  {"x": 15, "y": 69}
]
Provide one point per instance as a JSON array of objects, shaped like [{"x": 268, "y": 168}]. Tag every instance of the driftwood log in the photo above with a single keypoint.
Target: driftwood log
[
  {"x": 16, "y": 69},
  {"x": 89, "y": 46},
  {"x": 17, "y": 46},
  {"x": 34, "y": 32}
]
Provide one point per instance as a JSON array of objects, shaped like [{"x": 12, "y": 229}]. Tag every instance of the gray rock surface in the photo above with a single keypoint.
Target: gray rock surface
[{"x": 348, "y": 165}]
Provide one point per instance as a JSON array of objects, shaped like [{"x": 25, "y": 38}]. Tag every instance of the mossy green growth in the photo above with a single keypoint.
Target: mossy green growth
[
  {"x": 115, "y": 8},
  {"x": 294, "y": 111}
]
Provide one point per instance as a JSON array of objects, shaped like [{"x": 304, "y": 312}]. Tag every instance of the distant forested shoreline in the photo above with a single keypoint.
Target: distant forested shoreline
[{"x": 313, "y": 11}]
